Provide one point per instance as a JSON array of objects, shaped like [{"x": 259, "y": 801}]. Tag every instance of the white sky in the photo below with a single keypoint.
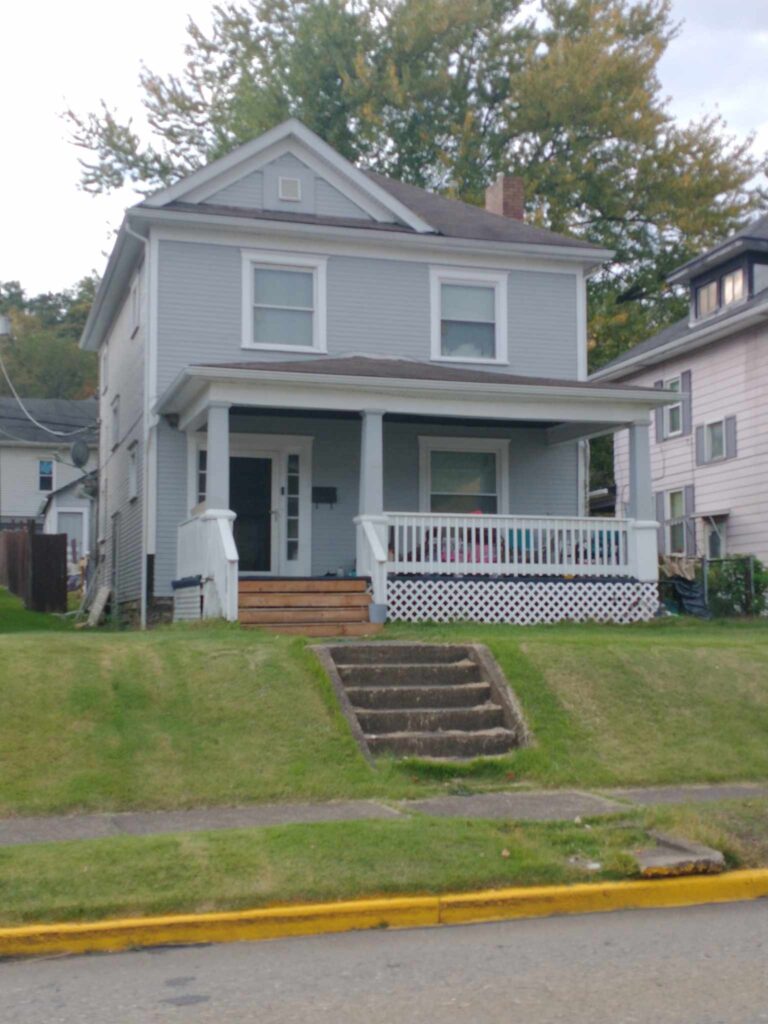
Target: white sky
[{"x": 57, "y": 55}]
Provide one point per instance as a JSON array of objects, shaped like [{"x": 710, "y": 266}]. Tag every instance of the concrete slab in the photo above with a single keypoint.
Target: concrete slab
[
  {"x": 549, "y": 805},
  {"x": 55, "y": 829},
  {"x": 647, "y": 796},
  {"x": 672, "y": 857}
]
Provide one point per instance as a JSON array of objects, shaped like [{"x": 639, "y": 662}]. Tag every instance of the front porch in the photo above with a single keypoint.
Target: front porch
[{"x": 303, "y": 482}]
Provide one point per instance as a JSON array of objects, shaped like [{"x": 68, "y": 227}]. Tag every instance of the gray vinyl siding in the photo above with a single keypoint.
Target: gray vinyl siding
[
  {"x": 248, "y": 193},
  {"x": 125, "y": 368},
  {"x": 329, "y": 202},
  {"x": 543, "y": 479},
  {"x": 375, "y": 306}
]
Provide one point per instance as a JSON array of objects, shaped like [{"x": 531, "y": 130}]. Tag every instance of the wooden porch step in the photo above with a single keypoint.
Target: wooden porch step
[
  {"x": 308, "y": 599},
  {"x": 332, "y": 585},
  {"x": 251, "y": 616},
  {"x": 331, "y": 629}
]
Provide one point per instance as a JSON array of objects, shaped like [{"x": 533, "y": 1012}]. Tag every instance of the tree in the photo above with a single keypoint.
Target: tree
[
  {"x": 41, "y": 355},
  {"x": 448, "y": 93}
]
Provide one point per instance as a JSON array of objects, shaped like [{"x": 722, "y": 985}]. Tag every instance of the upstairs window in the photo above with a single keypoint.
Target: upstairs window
[
  {"x": 706, "y": 299},
  {"x": 714, "y": 441},
  {"x": 733, "y": 287},
  {"x": 469, "y": 317},
  {"x": 45, "y": 475},
  {"x": 284, "y": 305},
  {"x": 673, "y": 414}
]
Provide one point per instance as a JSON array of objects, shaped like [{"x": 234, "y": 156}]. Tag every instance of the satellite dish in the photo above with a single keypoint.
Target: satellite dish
[{"x": 79, "y": 453}]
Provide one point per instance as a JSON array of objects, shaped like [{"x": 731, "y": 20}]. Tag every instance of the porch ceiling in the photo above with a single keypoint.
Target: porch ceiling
[{"x": 403, "y": 388}]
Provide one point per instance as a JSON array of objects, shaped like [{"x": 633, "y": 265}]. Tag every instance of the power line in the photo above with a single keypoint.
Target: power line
[{"x": 30, "y": 417}]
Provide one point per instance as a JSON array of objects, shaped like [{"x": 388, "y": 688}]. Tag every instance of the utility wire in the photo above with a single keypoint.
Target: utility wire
[{"x": 30, "y": 417}]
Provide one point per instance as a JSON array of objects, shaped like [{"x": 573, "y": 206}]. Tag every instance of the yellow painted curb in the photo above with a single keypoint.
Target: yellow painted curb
[{"x": 399, "y": 912}]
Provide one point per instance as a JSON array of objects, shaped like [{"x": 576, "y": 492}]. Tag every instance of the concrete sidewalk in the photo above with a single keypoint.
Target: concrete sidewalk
[{"x": 515, "y": 805}]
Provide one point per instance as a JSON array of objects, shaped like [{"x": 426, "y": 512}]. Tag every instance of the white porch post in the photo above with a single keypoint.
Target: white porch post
[
  {"x": 643, "y": 554},
  {"x": 372, "y": 510},
  {"x": 217, "y": 470}
]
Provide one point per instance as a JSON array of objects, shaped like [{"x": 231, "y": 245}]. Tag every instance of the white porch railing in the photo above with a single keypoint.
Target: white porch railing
[
  {"x": 206, "y": 548},
  {"x": 507, "y": 545}
]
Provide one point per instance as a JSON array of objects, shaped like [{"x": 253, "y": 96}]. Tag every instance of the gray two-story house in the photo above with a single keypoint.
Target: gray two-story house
[{"x": 328, "y": 397}]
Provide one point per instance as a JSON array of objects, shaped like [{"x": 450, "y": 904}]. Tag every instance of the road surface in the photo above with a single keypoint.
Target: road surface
[{"x": 702, "y": 965}]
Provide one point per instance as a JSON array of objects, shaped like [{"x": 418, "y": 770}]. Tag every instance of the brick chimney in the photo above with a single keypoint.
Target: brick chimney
[{"x": 506, "y": 196}]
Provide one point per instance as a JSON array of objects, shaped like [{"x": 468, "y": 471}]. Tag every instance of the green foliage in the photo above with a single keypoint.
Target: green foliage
[
  {"x": 737, "y": 585},
  {"x": 42, "y": 354},
  {"x": 448, "y": 93}
]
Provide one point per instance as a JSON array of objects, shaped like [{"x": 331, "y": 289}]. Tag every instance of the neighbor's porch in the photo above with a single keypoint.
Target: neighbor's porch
[{"x": 463, "y": 543}]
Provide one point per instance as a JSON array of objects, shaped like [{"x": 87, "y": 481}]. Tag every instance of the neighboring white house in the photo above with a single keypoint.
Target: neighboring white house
[
  {"x": 312, "y": 371},
  {"x": 709, "y": 452},
  {"x": 70, "y": 509},
  {"x": 35, "y": 465}
]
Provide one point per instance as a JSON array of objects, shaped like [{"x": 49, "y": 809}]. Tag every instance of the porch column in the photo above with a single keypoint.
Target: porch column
[
  {"x": 217, "y": 470},
  {"x": 372, "y": 523},
  {"x": 640, "y": 498}
]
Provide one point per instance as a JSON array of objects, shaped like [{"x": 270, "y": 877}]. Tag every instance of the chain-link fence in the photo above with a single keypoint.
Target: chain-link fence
[{"x": 720, "y": 588}]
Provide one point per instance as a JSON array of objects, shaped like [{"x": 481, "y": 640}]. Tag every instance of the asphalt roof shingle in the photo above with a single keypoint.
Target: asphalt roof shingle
[{"x": 64, "y": 414}]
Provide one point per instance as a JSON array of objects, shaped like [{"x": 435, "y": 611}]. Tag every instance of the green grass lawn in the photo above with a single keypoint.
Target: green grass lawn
[
  {"x": 346, "y": 860},
  {"x": 203, "y": 715},
  {"x": 14, "y": 618}
]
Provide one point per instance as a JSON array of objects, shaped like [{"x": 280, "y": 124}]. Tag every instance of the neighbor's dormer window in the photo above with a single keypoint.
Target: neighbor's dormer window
[
  {"x": 733, "y": 287},
  {"x": 706, "y": 299},
  {"x": 469, "y": 316}
]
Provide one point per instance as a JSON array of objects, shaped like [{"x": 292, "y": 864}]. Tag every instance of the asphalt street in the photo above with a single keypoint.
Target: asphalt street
[{"x": 701, "y": 965}]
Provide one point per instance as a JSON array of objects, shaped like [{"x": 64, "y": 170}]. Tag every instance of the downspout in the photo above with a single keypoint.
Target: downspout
[{"x": 145, "y": 462}]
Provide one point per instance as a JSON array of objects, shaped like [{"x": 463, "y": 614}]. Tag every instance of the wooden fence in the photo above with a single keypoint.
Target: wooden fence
[{"x": 34, "y": 567}]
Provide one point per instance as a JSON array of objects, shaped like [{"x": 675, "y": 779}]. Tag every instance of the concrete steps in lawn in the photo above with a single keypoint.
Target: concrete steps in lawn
[
  {"x": 331, "y": 607},
  {"x": 425, "y": 700}
]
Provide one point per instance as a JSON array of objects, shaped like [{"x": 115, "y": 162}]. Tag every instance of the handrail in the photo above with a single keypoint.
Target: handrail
[{"x": 206, "y": 548}]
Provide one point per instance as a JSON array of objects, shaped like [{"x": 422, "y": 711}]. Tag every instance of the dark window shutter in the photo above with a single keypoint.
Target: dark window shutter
[
  {"x": 700, "y": 457},
  {"x": 690, "y": 522},
  {"x": 730, "y": 437},
  {"x": 685, "y": 387},
  {"x": 658, "y": 416},
  {"x": 660, "y": 517}
]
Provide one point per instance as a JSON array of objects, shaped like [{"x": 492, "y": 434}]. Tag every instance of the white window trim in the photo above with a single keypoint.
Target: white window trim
[
  {"x": 252, "y": 258},
  {"x": 668, "y": 433},
  {"x": 498, "y": 446},
  {"x": 669, "y": 520},
  {"x": 708, "y": 457},
  {"x": 282, "y": 179},
  {"x": 53, "y": 474},
  {"x": 450, "y": 275}
]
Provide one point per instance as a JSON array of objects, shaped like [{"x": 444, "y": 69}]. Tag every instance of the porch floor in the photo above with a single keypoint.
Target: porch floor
[{"x": 311, "y": 606}]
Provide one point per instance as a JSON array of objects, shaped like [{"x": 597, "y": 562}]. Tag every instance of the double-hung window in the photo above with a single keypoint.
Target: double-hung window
[
  {"x": 676, "y": 522},
  {"x": 673, "y": 414},
  {"x": 733, "y": 287},
  {"x": 283, "y": 303},
  {"x": 469, "y": 316},
  {"x": 463, "y": 476},
  {"x": 714, "y": 441},
  {"x": 706, "y": 299},
  {"x": 45, "y": 474}
]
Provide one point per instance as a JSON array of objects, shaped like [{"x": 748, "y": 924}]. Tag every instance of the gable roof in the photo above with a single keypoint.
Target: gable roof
[
  {"x": 62, "y": 414},
  {"x": 754, "y": 237},
  {"x": 684, "y": 335}
]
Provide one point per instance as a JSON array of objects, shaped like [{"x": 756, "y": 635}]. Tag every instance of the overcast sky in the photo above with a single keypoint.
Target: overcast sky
[{"x": 57, "y": 55}]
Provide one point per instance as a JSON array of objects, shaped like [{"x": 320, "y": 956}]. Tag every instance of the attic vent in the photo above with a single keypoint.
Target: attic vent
[{"x": 289, "y": 189}]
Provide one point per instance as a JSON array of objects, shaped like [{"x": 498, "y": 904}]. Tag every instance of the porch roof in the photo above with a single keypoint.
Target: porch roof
[{"x": 358, "y": 383}]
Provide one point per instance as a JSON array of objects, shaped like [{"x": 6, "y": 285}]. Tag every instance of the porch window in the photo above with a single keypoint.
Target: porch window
[
  {"x": 463, "y": 476},
  {"x": 468, "y": 316},
  {"x": 676, "y": 525},
  {"x": 284, "y": 303}
]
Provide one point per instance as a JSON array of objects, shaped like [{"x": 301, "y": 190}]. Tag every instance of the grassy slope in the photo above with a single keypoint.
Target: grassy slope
[
  {"x": 344, "y": 860},
  {"x": 192, "y": 715}
]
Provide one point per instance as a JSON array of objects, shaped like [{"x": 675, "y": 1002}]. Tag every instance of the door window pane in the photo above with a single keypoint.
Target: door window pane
[
  {"x": 292, "y": 516},
  {"x": 463, "y": 482}
]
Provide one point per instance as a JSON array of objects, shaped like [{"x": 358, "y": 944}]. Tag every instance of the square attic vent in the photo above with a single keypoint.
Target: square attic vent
[{"x": 289, "y": 189}]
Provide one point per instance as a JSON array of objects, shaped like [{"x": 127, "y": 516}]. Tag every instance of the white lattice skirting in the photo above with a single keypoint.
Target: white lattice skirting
[{"x": 522, "y": 602}]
